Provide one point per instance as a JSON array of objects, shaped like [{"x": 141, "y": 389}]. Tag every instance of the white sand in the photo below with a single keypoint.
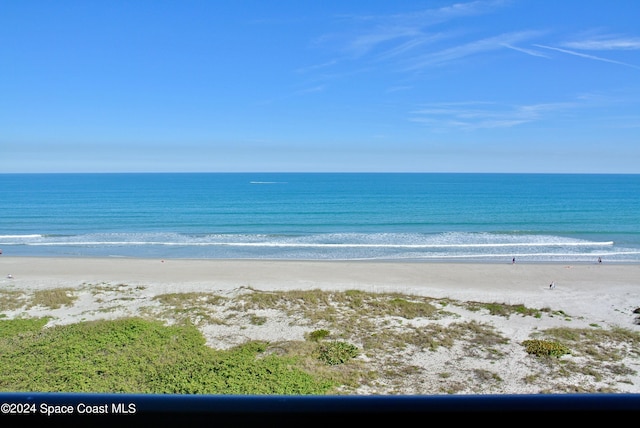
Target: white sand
[{"x": 590, "y": 294}]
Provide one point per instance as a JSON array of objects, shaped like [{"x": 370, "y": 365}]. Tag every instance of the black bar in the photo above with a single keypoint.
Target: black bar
[{"x": 269, "y": 410}]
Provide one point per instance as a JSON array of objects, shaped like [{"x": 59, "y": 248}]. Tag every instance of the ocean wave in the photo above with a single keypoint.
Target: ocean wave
[
  {"x": 469, "y": 246},
  {"x": 334, "y": 240}
]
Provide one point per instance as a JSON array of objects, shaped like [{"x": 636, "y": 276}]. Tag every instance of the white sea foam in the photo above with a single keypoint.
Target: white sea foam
[
  {"x": 313, "y": 241},
  {"x": 337, "y": 246}
]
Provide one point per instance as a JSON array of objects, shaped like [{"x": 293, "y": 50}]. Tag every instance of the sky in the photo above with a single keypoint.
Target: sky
[{"x": 540, "y": 86}]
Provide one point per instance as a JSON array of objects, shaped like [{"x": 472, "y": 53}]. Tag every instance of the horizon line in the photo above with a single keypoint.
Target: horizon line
[{"x": 321, "y": 172}]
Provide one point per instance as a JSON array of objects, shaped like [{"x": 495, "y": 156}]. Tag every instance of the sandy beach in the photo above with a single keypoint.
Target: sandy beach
[
  {"x": 602, "y": 295},
  {"x": 603, "y": 292}
]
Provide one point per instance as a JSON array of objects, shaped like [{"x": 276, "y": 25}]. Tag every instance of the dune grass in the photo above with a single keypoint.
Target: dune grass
[{"x": 164, "y": 351}]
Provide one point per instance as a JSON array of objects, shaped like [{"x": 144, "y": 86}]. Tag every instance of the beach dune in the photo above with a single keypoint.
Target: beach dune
[
  {"x": 592, "y": 295},
  {"x": 607, "y": 291}
]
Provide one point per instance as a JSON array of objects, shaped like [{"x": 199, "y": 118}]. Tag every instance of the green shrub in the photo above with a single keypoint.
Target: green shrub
[
  {"x": 318, "y": 335},
  {"x": 21, "y": 326},
  {"x": 333, "y": 353},
  {"x": 139, "y": 356},
  {"x": 545, "y": 348}
]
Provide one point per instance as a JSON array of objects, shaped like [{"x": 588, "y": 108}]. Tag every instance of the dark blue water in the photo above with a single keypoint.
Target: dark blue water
[{"x": 462, "y": 217}]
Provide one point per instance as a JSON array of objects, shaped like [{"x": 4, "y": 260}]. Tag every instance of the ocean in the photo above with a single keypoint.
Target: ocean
[{"x": 564, "y": 218}]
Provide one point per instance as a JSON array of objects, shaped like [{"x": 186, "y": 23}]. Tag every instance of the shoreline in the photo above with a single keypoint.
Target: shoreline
[{"x": 578, "y": 287}]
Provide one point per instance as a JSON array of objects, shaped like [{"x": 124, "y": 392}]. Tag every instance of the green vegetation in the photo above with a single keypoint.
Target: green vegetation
[
  {"x": 196, "y": 308},
  {"x": 354, "y": 302},
  {"x": 601, "y": 345},
  {"x": 337, "y": 352},
  {"x": 21, "y": 327},
  {"x": 257, "y": 320},
  {"x": 318, "y": 335},
  {"x": 54, "y": 298},
  {"x": 596, "y": 354},
  {"x": 545, "y": 348},
  {"x": 505, "y": 310},
  {"x": 138, "y": 356},
  {"x": 11, "y": 300},
  {"x": 163, "y": 351}
]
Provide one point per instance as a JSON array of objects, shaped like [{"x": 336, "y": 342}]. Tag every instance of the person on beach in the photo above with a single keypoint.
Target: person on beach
[
  {"x": 552, "y": 285},
  {"x": 513, "y": 261},
  {"x": 599, "y": 259}
]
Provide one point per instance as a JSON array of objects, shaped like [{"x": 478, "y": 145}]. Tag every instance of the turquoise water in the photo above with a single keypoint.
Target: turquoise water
[{"x": 461, "y": 217}]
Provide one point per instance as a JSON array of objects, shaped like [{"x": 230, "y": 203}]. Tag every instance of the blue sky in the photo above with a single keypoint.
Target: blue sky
[{"x": 302, "y": 85}]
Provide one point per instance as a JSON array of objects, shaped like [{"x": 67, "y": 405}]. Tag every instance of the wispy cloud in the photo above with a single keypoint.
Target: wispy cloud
[
  {"x": 587, "y": 56},
  {"x": 404, "y": 41},
  {"x": 471, "y": 48},
  {"x": 418, "y": 40},
  {"x": 430, "y": 17},
  {"x": 316, "y": 67},
  {"x": 365, "y": 43},
  {"x": 526, "y": 51},
  {"x": 411, "y": 45},
  {"x": 399, "y": 88},
  {"x": 482, "y": 115},
  {"x": 605, "y": 43},
  {"x": 392, "y": 35},
  {"x": 310, "y": 90}
]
